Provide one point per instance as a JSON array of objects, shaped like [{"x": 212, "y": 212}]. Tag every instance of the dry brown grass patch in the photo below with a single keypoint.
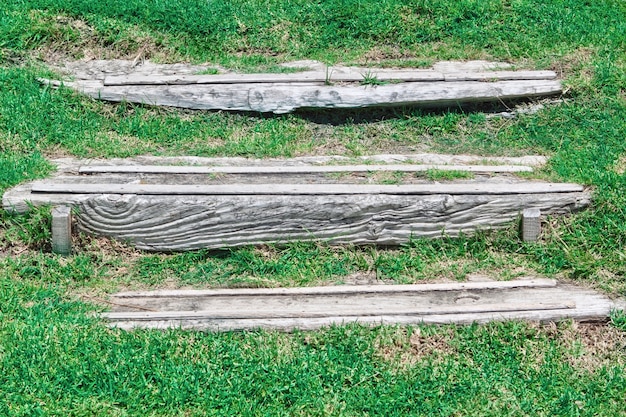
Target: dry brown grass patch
[
  {"x": 577, "y": 62},
  {"x": 407, "y": 349},
  {"x": 590, "y": 346}
]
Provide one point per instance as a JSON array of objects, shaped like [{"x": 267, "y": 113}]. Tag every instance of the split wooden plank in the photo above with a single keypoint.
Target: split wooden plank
[
  {"x": 332, "y": 75},
  {"x": 306, "y": 312},
  {"x": 308, "y": 189},
  {"x": 343, "y": 289},
  {"x": 282, "y": 98},
  {"x": 346, "y": 302},
  {"x": 171, "y": 223},
  {"x": 177, "y": 169}
]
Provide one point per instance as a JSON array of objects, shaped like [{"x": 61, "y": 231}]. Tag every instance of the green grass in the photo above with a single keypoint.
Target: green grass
[{"x": 57, "y": 359}]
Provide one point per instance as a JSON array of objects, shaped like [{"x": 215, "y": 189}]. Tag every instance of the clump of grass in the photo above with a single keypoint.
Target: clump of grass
[
  {"x": 448, "y": 175},
  {"x": 26, "y": 231},
  {"x": 369, "y": 78}
]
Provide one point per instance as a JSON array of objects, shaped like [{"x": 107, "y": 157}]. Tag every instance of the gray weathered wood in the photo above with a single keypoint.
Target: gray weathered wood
[
  {"x": 344, "y": 312},
  {"x": 169, "y": 223},
  {"x": 499, "y": 76},
  {"x": 332, "y": 75},
  {"x": 286, "y": 309},
  {"x": 177, "y": 169},
  {"x": 307, "y": 189},
  {"x": 342, "y": 289},
  {"x": 281, "y": 98},
  {"x": 62, "y": 230},
  {"x": 531, "y": 225}
]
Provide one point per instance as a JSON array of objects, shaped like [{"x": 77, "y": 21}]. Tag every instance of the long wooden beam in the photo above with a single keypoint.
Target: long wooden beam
[
  {"x": 285, "y": 98},
  {"x": 308, "y": 189},
  {"x": 343, "y": 289},
  {"x": 316, "y": 77}
]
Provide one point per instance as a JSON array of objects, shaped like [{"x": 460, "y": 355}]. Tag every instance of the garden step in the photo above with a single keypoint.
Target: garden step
[
  {"x": 328, "y": 87},
  {"x": 163, "y": 207}
]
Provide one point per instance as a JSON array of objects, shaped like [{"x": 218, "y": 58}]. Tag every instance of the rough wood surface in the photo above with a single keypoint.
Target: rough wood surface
[
  {"x": 343, "y": 311},
  {"x": 170, "y": 223},
  {"x": 306, "y": 309},
  {"x": 333, "y": 75},
  {"x": 100, "y": 69},
  {"x": 285, "y": 98},
  {"x": 307, "y": 189},
  {"x": 19, "y": 198},
  {"x": 73, "y": 165},
  {"x": 150, "y": 296},
  {"x": 177, "y": 169}
]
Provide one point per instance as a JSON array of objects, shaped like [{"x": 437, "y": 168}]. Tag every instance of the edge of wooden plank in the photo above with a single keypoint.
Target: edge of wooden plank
[
  {"x": 344, "y": 289},
  {"x": 177, "y": 169},
  {"x": 307, "y": 189}
]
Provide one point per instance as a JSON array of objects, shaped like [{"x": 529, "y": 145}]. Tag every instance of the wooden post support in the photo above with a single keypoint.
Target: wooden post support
[
  {"x": 531, "y": 225},
  {"x": 62, "y": 230}
]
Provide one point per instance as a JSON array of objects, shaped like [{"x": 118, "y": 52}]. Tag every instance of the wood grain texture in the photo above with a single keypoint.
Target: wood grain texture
[
  {"x": 344, "y": 312},
  {"x": 285, "y": 98},
  {"x": 171, "y": 223},
  {"x": 333, "y": 75},
  {"x": 341, "y": 289},
  {"x": 73, "y": 165},
  {"x": 286, "y": 312}
]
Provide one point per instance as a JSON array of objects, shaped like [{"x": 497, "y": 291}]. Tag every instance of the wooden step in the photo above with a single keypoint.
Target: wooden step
[
  {"x": 171, "y": 208},
  {"x": 310, "y": 308},
  {"x": 327, "y": 87}
]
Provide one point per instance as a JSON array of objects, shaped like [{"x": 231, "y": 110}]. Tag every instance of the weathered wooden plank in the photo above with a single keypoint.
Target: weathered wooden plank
[
  {"x": 177, "y": 169},
  {"x": 72, "y": 165},
  {"x": 308, "y": 189},
  {"x": 344, "y": 289},
  {"x": 332, "y": 75},
  {"x": 308, "y": 313},
  {"x": 499, "y": 76},
  {"x": 346, "y": 303},
  {"x": 290, "y": 312},
  {"x": 286, "y": 98},
  {"x": 20, "y": 199},
  {"x": 169, "y": 223},
  {"x": 320, "y": 78}
]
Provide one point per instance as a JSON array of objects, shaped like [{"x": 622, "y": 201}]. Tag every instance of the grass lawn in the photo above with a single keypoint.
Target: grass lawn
[{"x": 57, "y": 359}]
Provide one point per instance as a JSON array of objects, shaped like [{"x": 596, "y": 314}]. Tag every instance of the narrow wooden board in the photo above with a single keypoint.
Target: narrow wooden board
[
  {"x": 342, "y": 289},
  {"x": 307, "y": 189},
  {"x": 177, "y": 169},
  {"x": 282, "y": 98},
  {"x": 332, "y": 75}
]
